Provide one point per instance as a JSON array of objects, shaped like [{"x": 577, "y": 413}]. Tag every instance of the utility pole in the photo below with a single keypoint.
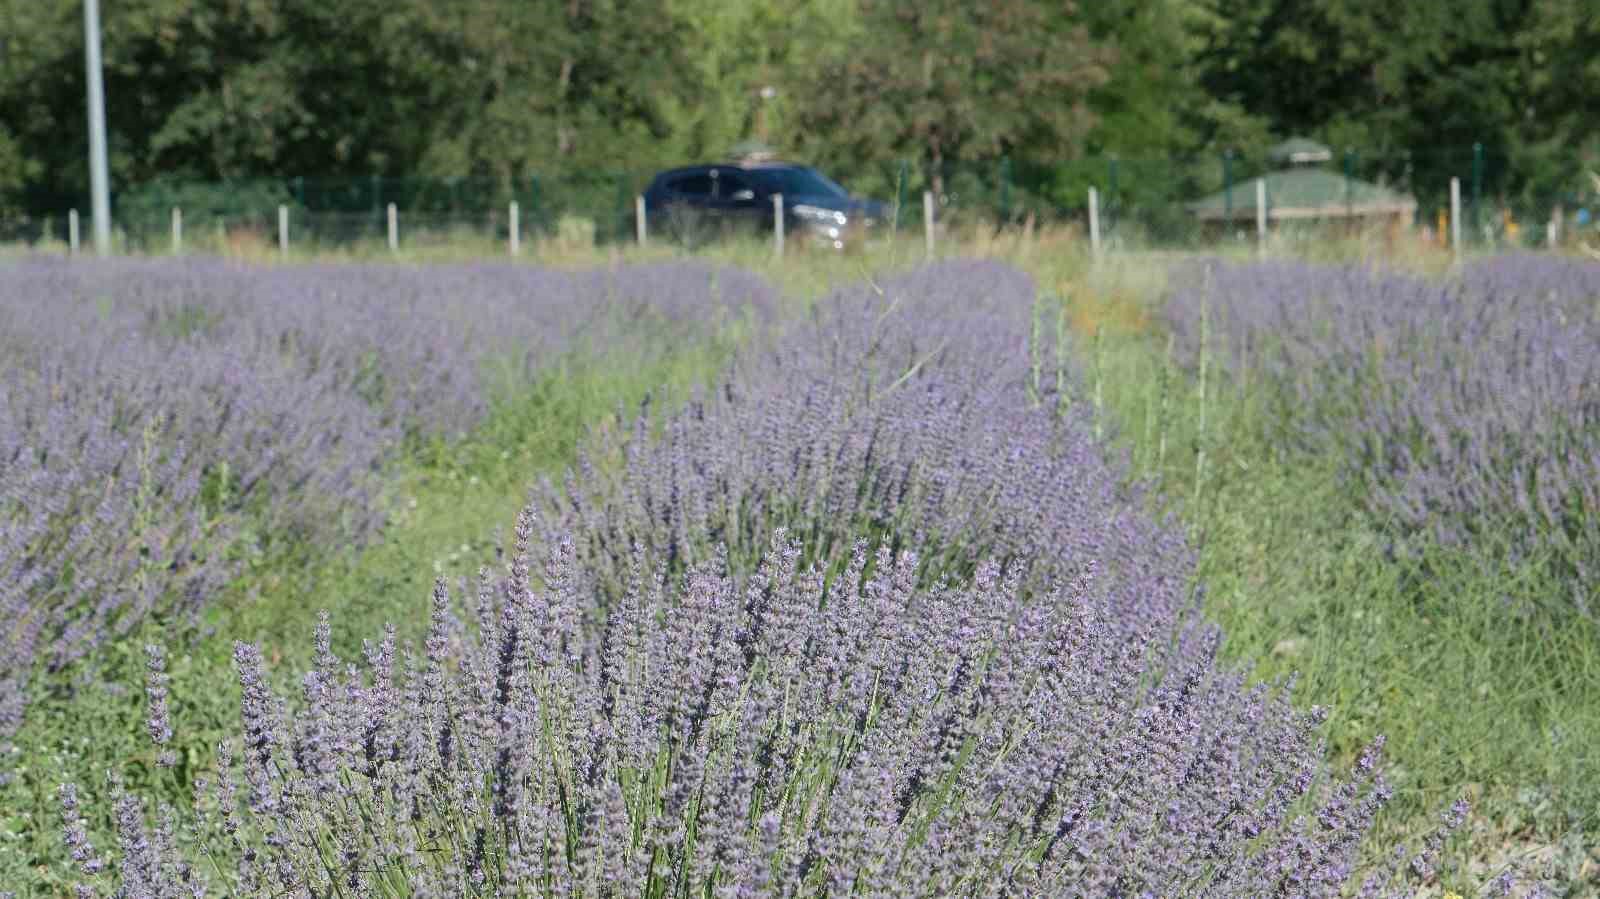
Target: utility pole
[{"x": 99, "y": 178}]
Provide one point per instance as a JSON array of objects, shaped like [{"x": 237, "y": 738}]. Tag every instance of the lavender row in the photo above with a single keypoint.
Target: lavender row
[
  {"x": 1464, "y": 409},
  {"x": 899, "y": 409},
  {"x": 850, "y": 652},
  {"x": 150, "y": 410}
]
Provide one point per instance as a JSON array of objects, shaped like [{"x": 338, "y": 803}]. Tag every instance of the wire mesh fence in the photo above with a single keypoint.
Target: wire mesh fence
[{"x": 1194, "y": 203}]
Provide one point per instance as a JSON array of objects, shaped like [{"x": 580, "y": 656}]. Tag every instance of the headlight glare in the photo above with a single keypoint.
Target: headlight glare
[{"x": 818, "y": 214}]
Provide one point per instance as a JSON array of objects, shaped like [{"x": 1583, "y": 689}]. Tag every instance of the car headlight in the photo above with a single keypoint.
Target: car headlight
[{"x": 818, "y": 214}]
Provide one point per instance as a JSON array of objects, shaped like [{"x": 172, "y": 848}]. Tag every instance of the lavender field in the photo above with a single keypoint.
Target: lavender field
[
  {"x": 896, "y": 603},
  {"x": 163, "y": 423},
  {"x": 1467, "y": 412},
  {"x": 1397, "y": 490}
]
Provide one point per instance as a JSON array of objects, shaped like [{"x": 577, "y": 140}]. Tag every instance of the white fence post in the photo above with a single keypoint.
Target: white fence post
[
  {"x": 641, "y": 226},
  {"x": 777, "y": 226},
  {"x": 394, "y": 229},
  {"x": 927, "y": 221},
  {"x": 1094, "y": 222},
  {"x": 1261, "y": 214},
  {"x": 516, "y": 229},
  {"x": 283, "y": 232},
  {"x": 1553, "y": 236},
  {"x": 1455, "y": 216},
  {"x": 72, "y": 230},
  {"x": 177, "y": 230}
]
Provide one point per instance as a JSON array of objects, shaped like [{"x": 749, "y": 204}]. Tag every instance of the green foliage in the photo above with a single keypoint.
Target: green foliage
[
  {"x": 203, "y": 90},
  {"x": 938, "y": 81},
  {"x": 202, "y": 202},
  {"x": 505, "y": 90},
  {"x": 14, "y": 170},
  {"x": 1417, "y": 81}
]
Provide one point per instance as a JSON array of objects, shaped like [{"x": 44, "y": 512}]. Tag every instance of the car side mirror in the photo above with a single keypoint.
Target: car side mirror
[{"x": 746, "y": 194}]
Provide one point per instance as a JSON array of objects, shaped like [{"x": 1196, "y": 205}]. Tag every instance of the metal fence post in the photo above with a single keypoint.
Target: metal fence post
[
  {"x": 1455, "y": 217},
  {"x": 283, "y": 232},
  {"x": 777, "y": 226},
  {"x": 177, "y": 230},
  {"x": 516, "y": 229},
  {"x": 394, "y": 229},
  {"x": 1261, "y": 215},
  {"x": 641, "y": 225},
  {"x": 72, "y": 230},
  {"x": 1094, "y": 222},
  {"x": 927, "y": 221}
]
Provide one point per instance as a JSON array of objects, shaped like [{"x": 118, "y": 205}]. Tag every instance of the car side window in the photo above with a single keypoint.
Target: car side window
[
  {"x": 734, "y": 186},
  {"x": 691, "y": 186}
]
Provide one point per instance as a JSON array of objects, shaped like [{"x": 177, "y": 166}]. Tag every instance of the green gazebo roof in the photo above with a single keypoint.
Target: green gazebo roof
[
  {"x": 1298, "y": 151},
  {"x": 1304, "y": 193},
  {"x": 751, "y": 151}
]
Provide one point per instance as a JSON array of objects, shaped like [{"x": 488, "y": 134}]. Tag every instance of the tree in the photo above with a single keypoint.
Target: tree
[
  {"x": 1421, "y": 81},
  {"x": 212, "y": 90},
  {"x": 1561, "y": 119},
  {"x": 946, "y": 80}
]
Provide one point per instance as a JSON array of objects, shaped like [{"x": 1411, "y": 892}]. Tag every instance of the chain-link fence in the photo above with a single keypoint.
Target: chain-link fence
[{"x": 1295, "y": 192}]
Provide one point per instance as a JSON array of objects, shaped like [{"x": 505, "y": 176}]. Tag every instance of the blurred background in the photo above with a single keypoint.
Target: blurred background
[{"x": 1356, "y": 113}]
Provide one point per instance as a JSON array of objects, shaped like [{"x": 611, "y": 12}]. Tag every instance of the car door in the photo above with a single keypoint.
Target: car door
[
  {"x": 686, "y": 206},
  {"x": 735, "y": 198},
  {"x": 690, "y": 189}
]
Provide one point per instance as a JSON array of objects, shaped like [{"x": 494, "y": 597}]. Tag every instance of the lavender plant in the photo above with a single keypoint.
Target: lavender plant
[
  {"x": 785, "y": 734},
  {"x": 869, "y": 620},
  {"x": 160, "y": 421},
  {"x": 900, "y": 409},
  {"x": 1464, "y": 409}
]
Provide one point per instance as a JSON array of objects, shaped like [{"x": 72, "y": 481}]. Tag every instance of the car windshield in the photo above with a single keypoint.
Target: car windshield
[{"x": 801, "y": 182}]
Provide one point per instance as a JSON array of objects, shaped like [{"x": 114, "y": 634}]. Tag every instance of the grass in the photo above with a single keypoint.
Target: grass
[
  {"x": 449, "y": 501},
  {"x": 1474, "y": 701}
]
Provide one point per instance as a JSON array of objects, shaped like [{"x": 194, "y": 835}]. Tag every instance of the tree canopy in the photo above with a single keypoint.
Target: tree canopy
[{"x": 228, "y": 89}]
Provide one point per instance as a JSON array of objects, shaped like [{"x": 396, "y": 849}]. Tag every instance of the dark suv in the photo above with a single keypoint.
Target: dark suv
[{"x": 696, "y": 201}]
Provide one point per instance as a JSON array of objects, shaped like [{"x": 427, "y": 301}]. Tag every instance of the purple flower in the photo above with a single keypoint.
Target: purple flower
[
  {"x": 155, "y": 688},
  {"x": 873, "y": 617}
]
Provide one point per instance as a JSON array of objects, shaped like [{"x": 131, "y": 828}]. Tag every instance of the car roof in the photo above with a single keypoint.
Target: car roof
[{"x": 743, "y": 166}]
